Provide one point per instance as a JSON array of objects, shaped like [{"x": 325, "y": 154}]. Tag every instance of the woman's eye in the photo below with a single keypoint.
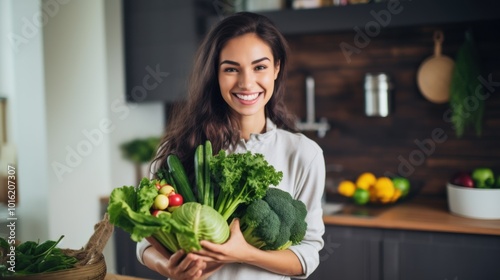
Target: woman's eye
[
  {"x": 230, "y": 70},
  {"x": 260, "y": 67}
]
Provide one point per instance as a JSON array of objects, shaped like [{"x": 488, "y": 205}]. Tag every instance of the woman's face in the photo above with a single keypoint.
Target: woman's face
[{"x": 247, "y": 71}]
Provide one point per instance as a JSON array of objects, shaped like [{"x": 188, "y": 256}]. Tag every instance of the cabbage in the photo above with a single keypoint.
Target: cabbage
[{"x": 207, "y": 223}]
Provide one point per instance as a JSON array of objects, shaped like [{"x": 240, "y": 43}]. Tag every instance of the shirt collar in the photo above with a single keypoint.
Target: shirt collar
[
  {"x": 256, "y": 139},
  {"x": 270, "y": 130}
]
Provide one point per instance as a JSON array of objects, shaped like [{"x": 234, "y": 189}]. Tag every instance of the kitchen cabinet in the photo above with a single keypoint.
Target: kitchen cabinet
[
  {"x": 126, "y": 260},
  {"x": 383, "y": 14},
  {"x": 390, "y": 13},
  {"x": 386, "y": 254},
  {"x": 358, "y": 253},
  {"x": 160, "y": 40},
  {"x": 161, "y": 37}
]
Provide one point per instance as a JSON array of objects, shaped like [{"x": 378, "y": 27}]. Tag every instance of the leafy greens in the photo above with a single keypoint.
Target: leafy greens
[
  {"x": 242, "y": 178},
  {"x": 466, "y": 91},
  {"x": 34, "y": 257}
]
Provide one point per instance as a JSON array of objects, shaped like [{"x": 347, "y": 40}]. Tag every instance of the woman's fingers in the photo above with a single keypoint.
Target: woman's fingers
[
  {"x": 186, "y": 266},
  {"x": 208, "y": 247}
]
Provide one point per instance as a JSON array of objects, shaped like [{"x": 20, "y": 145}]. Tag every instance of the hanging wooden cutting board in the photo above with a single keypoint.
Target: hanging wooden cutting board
[{"x": 434, "y": 74}]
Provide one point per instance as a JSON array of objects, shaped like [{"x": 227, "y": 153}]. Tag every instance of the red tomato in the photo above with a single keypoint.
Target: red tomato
[{"x": 175, "y": 200}]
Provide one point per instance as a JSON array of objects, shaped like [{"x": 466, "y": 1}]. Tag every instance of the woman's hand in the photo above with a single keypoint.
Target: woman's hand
[
  {"x": 177, "y": 266},
  {"x": 234, "y": 250}
]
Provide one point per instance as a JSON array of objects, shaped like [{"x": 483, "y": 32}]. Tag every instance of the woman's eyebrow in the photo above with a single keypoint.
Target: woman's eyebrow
[{"x": 237, "y": 64}]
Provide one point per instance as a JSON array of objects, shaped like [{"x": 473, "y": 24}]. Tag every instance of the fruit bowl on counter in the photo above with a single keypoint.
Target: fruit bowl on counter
[
  {"x": 368, "y": 189},
  {"x": 474, "y": 194}
]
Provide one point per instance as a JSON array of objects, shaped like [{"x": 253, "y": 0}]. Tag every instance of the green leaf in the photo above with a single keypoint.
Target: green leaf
[
  {"x": 27, "y": 248},
  {"x": 465, "y": 89},
  {"x": 140, "y": 150},
  {"x": 4, "y": 244},
  {"x": 44, "y": 247}
]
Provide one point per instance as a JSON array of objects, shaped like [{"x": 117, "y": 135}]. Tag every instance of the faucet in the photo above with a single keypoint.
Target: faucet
[{"x": 311, "y": 125}]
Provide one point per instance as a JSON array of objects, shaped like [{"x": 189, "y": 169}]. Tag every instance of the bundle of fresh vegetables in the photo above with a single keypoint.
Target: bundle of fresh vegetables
[{"x": 224, "y": 187}]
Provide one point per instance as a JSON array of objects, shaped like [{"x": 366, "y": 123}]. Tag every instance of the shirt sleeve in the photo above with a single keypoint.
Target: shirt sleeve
[
  {"x": 140, "y": 248},
  {"x": 144, "y": 244},
  {"x": 310, "y": 191}
]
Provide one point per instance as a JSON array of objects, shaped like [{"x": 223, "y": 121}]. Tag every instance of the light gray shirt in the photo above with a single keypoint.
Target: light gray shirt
[{"x": 302, "y": 163}]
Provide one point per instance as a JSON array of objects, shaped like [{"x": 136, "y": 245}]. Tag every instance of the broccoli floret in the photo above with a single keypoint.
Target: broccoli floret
[
  {"x": 260, "y": 225},
  {"x": 300, "y": 225},
  {"x": 274, "y": 222}
]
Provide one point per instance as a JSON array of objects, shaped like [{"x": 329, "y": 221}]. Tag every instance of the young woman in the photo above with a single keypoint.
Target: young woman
[{"x": 236, "y": 100}]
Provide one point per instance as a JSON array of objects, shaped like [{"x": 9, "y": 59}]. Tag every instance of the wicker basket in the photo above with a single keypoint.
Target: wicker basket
[{"x": 94, "y": 271}]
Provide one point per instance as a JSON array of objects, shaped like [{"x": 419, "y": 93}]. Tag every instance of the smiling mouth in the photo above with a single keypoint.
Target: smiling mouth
[{"x": 247, "y": 97}]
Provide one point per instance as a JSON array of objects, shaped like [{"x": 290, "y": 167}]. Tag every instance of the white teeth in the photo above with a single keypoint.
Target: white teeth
[{"x": 248, "y": 97}]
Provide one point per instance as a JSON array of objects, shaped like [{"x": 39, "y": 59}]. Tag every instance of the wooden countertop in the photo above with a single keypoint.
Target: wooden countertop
[
  {"x": 111, "y": 276},
  {"x": 424, "y": 214}
]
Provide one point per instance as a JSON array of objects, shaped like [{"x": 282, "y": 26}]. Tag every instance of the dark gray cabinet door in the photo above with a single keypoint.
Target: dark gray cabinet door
[
  {"x": 422, "y": 255},
  {"x": 350, "y": 253},
  {"x": 160, "y": 41},
  {"x": 384, "y": 254},
  {"x": 126, "y": 260}
]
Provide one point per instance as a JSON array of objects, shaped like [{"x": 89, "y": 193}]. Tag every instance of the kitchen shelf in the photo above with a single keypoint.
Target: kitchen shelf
[{"x": 412, "y": 13}]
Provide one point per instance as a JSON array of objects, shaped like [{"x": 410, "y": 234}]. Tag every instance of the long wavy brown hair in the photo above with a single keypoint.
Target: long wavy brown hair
[{"x": 205, "y": 114}]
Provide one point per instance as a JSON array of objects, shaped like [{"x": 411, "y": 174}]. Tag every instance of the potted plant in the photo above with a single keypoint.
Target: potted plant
[{"x": 139, "y": 152}]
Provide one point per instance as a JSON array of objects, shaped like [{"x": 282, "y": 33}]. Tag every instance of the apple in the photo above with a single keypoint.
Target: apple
[
  {"x": 463, "y": 179},
  {"x": 483, "y": 177}
]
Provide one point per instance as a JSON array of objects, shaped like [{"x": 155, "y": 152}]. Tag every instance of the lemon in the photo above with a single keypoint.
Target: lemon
[
  {"x": 346, "y": 188},
  {"x": 366, "y": 180},
  {"x": 397, "y": 194},
  {"x": 384, "y": 189}
]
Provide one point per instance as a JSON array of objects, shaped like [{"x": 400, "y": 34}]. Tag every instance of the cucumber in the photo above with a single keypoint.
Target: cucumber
[
  {"x": 180, "y": 178},
  {"x": 198, "y": 173},
  {"x": 163, "y": 174},
  {"x": 171, "y": 181},
  {"x": 208, "y": 192}
]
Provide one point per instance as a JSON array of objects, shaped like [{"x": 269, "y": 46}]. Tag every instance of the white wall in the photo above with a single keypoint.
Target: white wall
[
  {"x": 70, "y": 115},
  {"x": 23, "y": 80},
  {"x": 78, "y": 125}
]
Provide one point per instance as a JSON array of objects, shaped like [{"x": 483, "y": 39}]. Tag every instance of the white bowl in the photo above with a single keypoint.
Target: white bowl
[{"x": 474, "y": 203}]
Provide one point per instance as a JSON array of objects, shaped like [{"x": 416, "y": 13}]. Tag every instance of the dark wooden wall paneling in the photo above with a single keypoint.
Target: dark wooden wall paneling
[{"x": 358, "y": 143}]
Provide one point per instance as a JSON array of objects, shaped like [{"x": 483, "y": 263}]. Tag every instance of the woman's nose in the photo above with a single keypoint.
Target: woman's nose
[{"x": 245, "y": 80}]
